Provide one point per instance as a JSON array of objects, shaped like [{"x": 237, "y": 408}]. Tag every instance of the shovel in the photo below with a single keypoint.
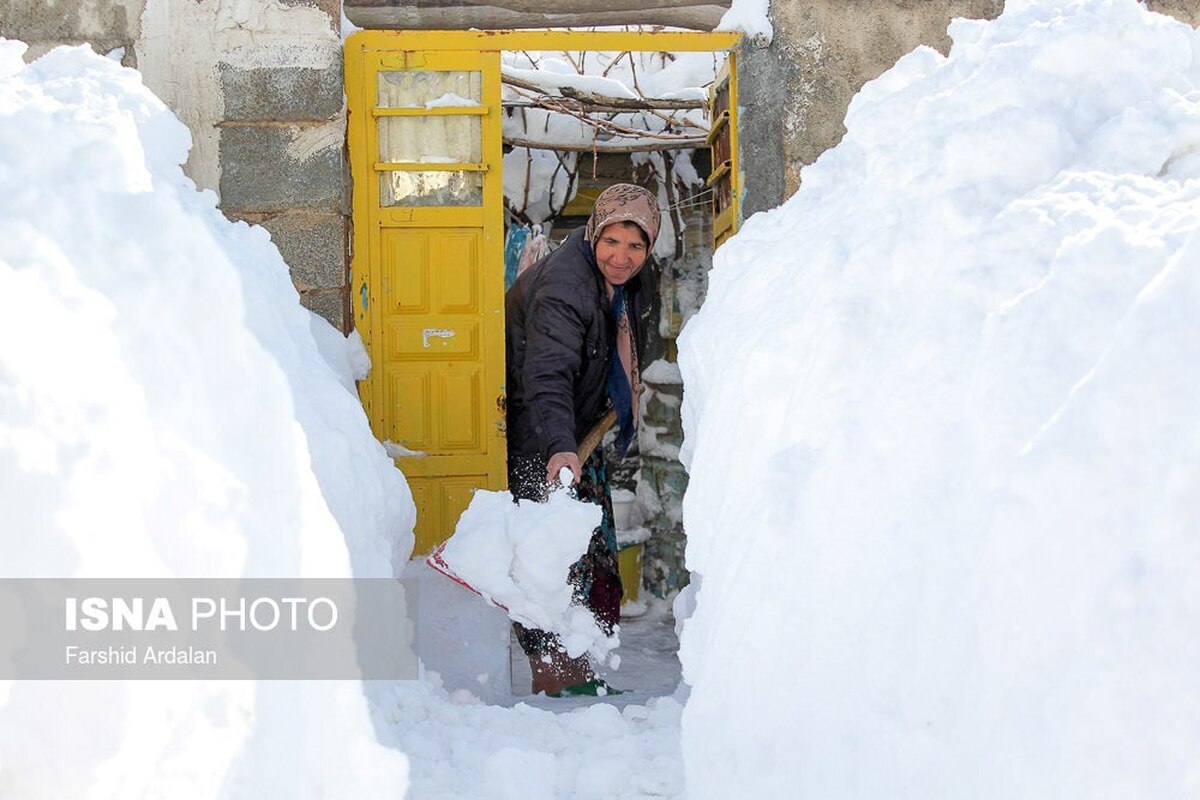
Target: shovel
[{"x": 589, "y": 443}]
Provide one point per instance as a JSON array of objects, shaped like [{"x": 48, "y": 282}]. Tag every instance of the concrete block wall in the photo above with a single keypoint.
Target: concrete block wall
[
  {"x": 282, "y": 165},
  {"x": 260, "y": 87},
  {"x": 104, "y": 24}
]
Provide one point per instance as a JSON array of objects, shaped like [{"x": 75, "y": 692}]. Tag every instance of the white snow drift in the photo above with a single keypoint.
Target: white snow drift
[
  {"x": 941, "y": 414},
  {"x": 164, "y": 412},
  {"x": 941, "y": 424}
]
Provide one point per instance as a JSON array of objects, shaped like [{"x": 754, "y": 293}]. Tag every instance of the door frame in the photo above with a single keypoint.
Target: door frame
[{"x": 364, "y": 45}]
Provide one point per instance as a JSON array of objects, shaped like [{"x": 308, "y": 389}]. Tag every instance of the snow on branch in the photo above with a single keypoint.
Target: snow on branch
[
  {"x": 635, "y": 145},
  {"x": 550, "y": 82},
  {"x": 560, "y": 104},
  {"x": 624, "y": 101}
]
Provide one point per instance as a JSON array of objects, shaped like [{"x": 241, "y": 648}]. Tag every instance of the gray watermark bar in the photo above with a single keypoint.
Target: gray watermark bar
[{"x": 252, "y": 628}]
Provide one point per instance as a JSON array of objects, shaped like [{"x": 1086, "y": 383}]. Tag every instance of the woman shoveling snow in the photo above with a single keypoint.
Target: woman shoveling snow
[{"x": 576, "y": 323}]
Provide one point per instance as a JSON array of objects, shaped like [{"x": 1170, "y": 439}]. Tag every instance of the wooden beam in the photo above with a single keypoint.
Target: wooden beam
[
  {"x": 614, "y": 41},
  {"x": 559, "y": 14},
  {"x": 682, "y": 143},
  {"x": 522, "y": 84},
  {"x": 596, "y": 102},
  {"x": 539, "y": 6},
  {"x": 631, "y": 105},
  {"x": 586, "y": 108}
]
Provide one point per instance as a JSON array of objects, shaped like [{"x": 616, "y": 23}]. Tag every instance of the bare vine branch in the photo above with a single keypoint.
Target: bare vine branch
[{"x": 607, "y": 147}]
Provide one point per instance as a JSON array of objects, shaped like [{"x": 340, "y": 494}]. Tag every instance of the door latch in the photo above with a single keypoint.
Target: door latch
[{"x": 435, "y": 333}]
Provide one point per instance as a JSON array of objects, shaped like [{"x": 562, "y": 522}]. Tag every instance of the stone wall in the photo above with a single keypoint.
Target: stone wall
[
  {"x": 1184, "y": 10},
  {"x": 260, "y": 87},
  {"x": 107, "y": 25}
]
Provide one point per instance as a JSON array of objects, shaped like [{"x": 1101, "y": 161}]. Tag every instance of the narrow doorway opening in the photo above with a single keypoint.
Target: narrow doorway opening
[{"x": 475, "y": 152}]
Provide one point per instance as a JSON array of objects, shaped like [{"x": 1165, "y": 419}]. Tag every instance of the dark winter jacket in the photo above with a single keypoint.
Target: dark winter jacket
[{"x": 559, "y": 331}]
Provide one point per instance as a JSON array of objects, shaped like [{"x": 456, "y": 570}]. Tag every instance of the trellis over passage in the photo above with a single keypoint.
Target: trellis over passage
[{"x": 428, "y": 233}]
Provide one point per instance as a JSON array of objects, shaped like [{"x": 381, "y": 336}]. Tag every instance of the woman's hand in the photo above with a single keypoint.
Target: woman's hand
[{"x": 560, "y": 460}]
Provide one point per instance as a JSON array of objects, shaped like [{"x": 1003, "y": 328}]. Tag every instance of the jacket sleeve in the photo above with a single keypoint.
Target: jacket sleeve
[{"x": 554, "y": 335}]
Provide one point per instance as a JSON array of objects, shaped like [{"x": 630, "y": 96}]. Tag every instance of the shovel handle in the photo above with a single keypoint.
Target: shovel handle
[{"x": 594, "y": 436}]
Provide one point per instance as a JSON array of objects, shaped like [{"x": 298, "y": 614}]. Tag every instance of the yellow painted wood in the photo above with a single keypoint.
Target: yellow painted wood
[
  {"x": 736, "y": 168},
  {"x": 418, "y": 217},
  {"x": 722, "y": 169},
  {"x": 614, "y": 41},
  {"x": 716, "y": 126},
  {"x": 429, "y": 299},
  {"x": 435, "y": 166},
  {"x": 727, "y": 221},
  {"x": 439, "y": 111},
  {"x": 415, "y": 50},
  {"x": 629, "y": 564},
  {"x": 583, "y": 202}
]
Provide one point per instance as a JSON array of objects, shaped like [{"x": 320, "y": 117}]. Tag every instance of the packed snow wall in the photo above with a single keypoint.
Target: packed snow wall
[
  {"x": 940, "y": 414},
  {"x": 165, "y": 412}
]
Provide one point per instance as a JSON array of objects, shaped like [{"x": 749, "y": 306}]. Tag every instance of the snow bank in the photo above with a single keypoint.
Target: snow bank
[
  {"x": 942, "y": 434},
  {"x": 164, "y": 411},
  {"x": 518, "y": 555}
]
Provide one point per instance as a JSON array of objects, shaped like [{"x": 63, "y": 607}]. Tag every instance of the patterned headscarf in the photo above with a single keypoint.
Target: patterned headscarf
[{"x": 624, "y": 202}]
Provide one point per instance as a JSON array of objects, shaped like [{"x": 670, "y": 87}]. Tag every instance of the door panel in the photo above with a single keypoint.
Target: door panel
[
  {"x": 415, "y": 340},
  {"x": 411, "y": 397},
  {"x": 428, "y": 188},
  {"x": 461, "y": 425}
]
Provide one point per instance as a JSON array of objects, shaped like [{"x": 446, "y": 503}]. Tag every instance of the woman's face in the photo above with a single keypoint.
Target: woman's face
[{"x": 620, "y": 252}]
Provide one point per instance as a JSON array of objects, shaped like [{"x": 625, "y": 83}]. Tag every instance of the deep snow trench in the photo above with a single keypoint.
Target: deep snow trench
[{"x": 944, "y": 510}]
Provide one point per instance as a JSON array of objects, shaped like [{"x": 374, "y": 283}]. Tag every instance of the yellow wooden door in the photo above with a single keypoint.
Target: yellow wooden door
[{"x": 427, "y": 271}]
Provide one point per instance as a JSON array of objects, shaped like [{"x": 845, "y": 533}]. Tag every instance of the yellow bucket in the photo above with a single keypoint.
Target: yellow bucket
[{"x": 629, "y": 562}]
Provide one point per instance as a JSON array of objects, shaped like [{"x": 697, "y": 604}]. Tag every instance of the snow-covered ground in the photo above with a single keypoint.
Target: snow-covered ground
[
  {"x": 941, "y": 425},
  {"x": 623, "y": 746}
]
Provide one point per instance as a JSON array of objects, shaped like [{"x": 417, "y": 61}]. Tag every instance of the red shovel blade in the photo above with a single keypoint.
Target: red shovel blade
[{"x": 438, "y": 564}]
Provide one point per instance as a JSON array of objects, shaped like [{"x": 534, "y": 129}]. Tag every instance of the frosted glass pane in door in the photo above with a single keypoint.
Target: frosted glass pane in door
[
  {"x": 430, "y": 140},
  {"x": 446, "y": 188},
  {"x": 414, "y": 88}
]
